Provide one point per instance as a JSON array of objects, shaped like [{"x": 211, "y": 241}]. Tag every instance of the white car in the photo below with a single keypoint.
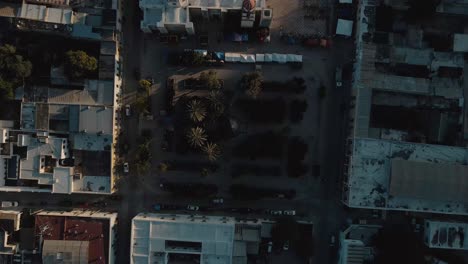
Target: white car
[
  {"x": 339, "y": 76},
  {"x": 276, "y": 212},
  {"x": 127, "y": 110},
  {"x": 289, "y": 212},
  {"x": 286, "y": 245},
  {"x": 218, "y": 200},
  {"x": 193, "y": 208},
  {"x": 126, "y": 168},
  {"x": 9, "y": 204}
]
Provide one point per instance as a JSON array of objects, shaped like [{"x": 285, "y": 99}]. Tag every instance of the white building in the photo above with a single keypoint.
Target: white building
[
  {"x": 391, "y": 165},
  {"x": 161, "y": 238},
  {"x": 176, "y": 16},
  {"x": 445, "y": 235},
  {"x": 165, "y": 238},
  {"x": 355, "y": 244}
]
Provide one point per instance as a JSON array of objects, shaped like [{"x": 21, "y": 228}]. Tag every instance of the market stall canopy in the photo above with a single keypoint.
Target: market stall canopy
[
  {"x": 232, "y": 57},
  {"x": 247, "y": 58},
  {"x": 344, "y": 27},
  {"x": 260, "y": 57}
]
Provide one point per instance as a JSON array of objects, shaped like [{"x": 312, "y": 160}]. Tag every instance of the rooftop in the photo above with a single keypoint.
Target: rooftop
[
  {"x": 446, "y": 235},
  {"x": 93, "y": 232},
  {"x": 211, "y": 237},
  {"x": 370, "y": 175}
]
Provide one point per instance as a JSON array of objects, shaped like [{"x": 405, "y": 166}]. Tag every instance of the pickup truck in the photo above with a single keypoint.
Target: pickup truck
[{"x": 9, "y": 204}]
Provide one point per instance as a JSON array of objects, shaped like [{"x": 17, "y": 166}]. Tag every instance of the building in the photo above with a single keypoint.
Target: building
[
  {"x": 407, "y": 145},
  {"x": 356, "y": 244},
  {"x": 63, "y": 141},
  {"x": 75, "y": 237},
  {"x": 9, "y": 224},
  {"x": 445, "y": 235},
  {"x": 165, "y": 238},
  {"x": 179, "y": 16}
]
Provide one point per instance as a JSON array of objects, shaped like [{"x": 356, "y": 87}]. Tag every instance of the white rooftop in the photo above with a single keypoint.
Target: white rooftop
[
  {"x": 150, "y": 233},
  {"x": 46, "y": 14},
  {"x": 446, "y": 235},
  {"x": 344, "y": 27},
  {"x": 370, "y": 172}
]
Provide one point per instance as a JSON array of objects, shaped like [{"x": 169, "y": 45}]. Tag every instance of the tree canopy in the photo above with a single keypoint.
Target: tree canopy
[
  {"x": 13, "y": 69},
  {"x": 78, "y": 64},
  {"x": 252, "y": 84},
  {"x": 210, "y": 80}
]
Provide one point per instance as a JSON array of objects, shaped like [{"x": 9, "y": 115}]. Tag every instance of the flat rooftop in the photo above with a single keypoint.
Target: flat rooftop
[
  {"x": 93, "y": 231},
  {"x": 213, "y": 234},
  {"x": 370, "y": 175},
  {"x": 446, "y": 235}
]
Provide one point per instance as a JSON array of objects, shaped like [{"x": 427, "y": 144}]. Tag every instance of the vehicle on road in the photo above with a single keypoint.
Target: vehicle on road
[
  {"x": 193, "y": 208},
  {"x": 157, "y": 207},
  {"x": 127, "y": 110},
  {"x": 286, "y": 245},
  {"x": 218, "y": 200},
  {"x": 126, "y": 168},
  {"x": 339, "y": 76},
  {"x": 289, "y": 212},
  {"x": 270, "y": 247},
  {"x": 332, "y": 241},
  {"x": 9, "y": 204},
  {"x": 275, "y": 212},
  {"x": 100, "y": 204},
  {"x": 65, "y": 203}
]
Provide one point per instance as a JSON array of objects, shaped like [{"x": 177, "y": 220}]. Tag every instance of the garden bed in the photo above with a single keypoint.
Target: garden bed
[
  {"x": 262, "y": 111},
  {"x": 263, "y": 145},
  {"x": 240, "y": 169},
  {"x": 294, "y": 86}
]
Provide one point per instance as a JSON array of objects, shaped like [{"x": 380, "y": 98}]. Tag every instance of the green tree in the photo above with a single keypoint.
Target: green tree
[
  {"x": 212, "y": 150},
  {"x": 252, "y": 84},
  {"x": 216, "y": 99},
  {"x": 6, "y": 89},
  {"x": 210, "y": 80},
  {"x": 78, "y": 64},
  {"x": 12, "y": 66},
  {"x": 141, "y": 104},
  {"x": 196, "y": 110},
  {"x": 196, "y": 137},
  {"x": 145, "y": 84}
]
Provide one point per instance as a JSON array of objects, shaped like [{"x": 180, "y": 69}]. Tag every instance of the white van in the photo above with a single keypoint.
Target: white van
[{"x": 9, "y": 204}]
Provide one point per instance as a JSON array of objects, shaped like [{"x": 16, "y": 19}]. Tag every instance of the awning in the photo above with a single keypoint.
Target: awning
[
  {"x": 232, "y": 57},
  {"x": 247, "y": 58},
  {"x": 268, "y": 57},
  {"x": 344, "y": 27},
  {"x": 280, "y": 58},
  {"x": 260, "y": 57}
]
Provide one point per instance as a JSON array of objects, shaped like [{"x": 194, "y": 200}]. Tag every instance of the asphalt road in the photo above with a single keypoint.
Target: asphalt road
[{"x": 324, "y": 208}]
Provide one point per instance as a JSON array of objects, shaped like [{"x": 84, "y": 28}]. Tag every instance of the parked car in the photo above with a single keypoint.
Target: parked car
[
  {"x": 127, "y": 110},
  {"x": 126, "y": 168},
  {"x": 339, "y": 76},
  {"x": 275, "y": 212},
  {"x": 270, "y": 247},
  {"x": 289, "y": 212},
  {"x": 286, "y": 245},
  {"x": 9, "y": 204},
  {"x": 218, "y": 200},
  {"x": 193, "y": 208},
  {"x": 332, "y": 241}
]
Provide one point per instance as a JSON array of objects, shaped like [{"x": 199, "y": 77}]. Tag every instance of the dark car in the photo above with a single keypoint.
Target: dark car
[{"x": 65, "y": 203}]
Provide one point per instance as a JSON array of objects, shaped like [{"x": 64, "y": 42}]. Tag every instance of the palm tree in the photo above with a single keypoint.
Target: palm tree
[
  {"x": 212, "y": 150},
  {"x": 216, "y": 102},
  {"x": 196, "y": 137},
  {"x": 196, "y": 110}
]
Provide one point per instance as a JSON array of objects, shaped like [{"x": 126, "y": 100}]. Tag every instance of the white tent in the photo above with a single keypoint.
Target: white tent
[
  {"x": 294, "y": 58},
  {"x": 280, "y": 58},
  {"x": 232, "y": 57},
  {"x": 260, "y": 57},
  {"x": 247, "y": 58},
  {"x": 344, "y": 27},
  {"x": 268, "y": 57}
]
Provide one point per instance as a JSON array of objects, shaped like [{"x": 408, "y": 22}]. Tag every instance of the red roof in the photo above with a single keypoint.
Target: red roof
[
  {"x": 248, "y": 5},
  {"x": 78, "y": 229}
]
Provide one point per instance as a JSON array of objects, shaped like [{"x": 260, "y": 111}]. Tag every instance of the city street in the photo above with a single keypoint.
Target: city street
[{"x": 320, "y": 203}]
